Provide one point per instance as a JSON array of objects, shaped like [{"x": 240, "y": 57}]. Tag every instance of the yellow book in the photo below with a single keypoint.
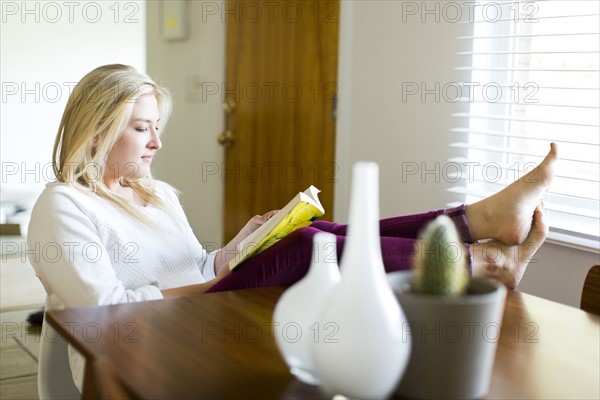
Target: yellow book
[{"x": 301, "y": 211}]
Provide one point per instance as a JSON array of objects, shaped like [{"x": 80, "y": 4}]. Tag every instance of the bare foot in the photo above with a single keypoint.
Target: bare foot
[
  {"x": 496, "y": 260},
  {"x": 507, "y": 215}
]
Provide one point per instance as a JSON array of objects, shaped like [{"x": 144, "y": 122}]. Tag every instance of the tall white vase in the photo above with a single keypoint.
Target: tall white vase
[
  {"x": 296, "y": 312},
  {"x": 368, "y": 353}
]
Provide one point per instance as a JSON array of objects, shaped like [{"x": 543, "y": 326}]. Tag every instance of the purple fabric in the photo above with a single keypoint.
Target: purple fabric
[{"x": 287, "y": 261}]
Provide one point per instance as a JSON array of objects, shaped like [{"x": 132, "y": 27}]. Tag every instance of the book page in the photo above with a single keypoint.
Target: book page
[
  {"x": 301, "y": 211},
  {"x": 303, "y": 214}
]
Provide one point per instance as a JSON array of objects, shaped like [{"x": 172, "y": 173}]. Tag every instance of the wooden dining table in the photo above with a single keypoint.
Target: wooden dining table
[{"x": 222, "y": 346}]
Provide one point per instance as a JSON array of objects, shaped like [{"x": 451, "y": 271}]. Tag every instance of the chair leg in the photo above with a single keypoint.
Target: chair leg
[{"x": 36, "y": 317}]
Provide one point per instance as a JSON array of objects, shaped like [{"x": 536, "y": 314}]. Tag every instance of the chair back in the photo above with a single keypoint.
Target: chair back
[
  {"x": 590, "y": 296},
  {"x": 54, "y": 374}
]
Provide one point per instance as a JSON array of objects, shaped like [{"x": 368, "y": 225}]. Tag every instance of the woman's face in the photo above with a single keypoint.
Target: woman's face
[{"x": 132, "y": 154}]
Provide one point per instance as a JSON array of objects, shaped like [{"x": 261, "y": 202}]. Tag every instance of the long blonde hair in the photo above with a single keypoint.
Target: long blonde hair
[{"x": 98, "y": 111}]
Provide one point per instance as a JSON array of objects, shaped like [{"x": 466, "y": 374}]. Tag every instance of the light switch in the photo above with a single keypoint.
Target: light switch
[
  {"x": 193, "y": 89},
  {"x": 173, "y": 15}
]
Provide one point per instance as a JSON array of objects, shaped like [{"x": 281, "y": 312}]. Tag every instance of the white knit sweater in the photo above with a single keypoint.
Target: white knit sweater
[{"x": 87, "y": 251}]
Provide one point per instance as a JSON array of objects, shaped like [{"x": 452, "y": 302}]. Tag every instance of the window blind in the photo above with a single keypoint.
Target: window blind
[{"x": 534, "y": 68}]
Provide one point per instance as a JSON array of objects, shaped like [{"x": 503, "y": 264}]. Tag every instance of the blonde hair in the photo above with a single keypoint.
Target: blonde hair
[{"x": 98, "y": 111}]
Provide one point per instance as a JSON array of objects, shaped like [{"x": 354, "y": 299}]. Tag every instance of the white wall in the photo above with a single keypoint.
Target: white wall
[
  {"x": 190, "y": 141},
  {"x": 383, "y": 52},
  {"x": 46, "y": 47}
]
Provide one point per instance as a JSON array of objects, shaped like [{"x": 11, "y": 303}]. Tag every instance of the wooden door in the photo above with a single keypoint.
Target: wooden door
[{"x": 280, "y": 98}]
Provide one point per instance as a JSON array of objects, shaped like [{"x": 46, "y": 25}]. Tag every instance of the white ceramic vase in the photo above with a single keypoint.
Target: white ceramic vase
[
  {"x": 296, "y": 312},
  {"x": 366, "y": 354}
]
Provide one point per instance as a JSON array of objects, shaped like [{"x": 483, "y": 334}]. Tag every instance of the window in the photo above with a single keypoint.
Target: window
[{"x": 534, "y": 69}]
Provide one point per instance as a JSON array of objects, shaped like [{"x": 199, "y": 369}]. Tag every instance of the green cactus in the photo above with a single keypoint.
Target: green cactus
[{"x": 439, "y": 262}]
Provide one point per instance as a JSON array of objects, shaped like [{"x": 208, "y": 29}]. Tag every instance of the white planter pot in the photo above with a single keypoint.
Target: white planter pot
[{"x": 454, "y": 340}]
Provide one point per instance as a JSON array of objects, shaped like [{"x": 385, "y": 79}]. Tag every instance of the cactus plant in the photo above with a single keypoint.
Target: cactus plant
[{"x": 440, "y": 260}]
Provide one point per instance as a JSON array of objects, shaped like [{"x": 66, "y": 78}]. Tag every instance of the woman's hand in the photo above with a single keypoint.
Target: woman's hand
[
  {"x": 253, "y": 224},
  {"x": 226, "y": 253}
]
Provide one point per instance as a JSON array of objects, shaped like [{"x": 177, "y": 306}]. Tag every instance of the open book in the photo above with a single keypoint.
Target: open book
[{"x": 301, "y": 211}]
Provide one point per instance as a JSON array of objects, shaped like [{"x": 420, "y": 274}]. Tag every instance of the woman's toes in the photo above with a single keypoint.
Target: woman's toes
[{"x": 507, "y": 264}]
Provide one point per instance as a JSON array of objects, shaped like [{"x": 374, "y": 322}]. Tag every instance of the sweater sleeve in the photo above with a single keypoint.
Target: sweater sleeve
[
  {"x": 70, "y": 258},
  {"x": 208, "y": 268}
]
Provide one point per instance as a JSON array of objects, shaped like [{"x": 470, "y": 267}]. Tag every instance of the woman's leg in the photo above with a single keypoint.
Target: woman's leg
[
  {"x": 288, "y": 260},
  {"x": 512, "y": 220},
  {"x": 408, "y": 226},
  {"x": 505, "y": 216}
]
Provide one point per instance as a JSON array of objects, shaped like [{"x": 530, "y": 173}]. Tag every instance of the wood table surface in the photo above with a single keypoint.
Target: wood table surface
[{"x": 221, "y": 345}]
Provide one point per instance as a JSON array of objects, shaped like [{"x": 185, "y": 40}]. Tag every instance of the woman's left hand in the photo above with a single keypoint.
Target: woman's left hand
[
  {"x": 226, "y": 254},
  {"x": 253, "y": 224}
]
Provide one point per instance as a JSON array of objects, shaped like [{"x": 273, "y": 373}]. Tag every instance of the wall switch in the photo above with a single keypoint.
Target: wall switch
[{"x": 174, "y": 19}]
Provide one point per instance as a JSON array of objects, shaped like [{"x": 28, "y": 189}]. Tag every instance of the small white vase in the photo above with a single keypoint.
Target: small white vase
[
  {"x": 296, "y": 312},
  {"x": 366, "y": 354}
]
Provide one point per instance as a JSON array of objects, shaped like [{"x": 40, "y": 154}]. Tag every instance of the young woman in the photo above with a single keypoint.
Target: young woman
[{"x": 106, "y": 232}]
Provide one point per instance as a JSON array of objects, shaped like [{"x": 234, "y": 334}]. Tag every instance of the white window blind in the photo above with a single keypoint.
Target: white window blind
[{"x": 534, "y": 68}]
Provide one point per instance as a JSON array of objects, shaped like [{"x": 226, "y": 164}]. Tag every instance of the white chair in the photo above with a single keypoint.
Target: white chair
[{"x": 55, "y": 381}]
